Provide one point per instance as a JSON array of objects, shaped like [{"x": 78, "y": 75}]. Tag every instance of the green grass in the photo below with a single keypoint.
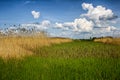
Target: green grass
[
  {"x": 77, "y": 60},
  {"x": 78, "y": 49}
]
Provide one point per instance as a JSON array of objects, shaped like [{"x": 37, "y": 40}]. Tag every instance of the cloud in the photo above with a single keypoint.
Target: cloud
[
  {"x": 45, "y": 24},
  {"x": 87, "y": 6},
  {"x": 79, "y": 25},
  {"x": 58, "y": 25},
  {"x": 97, "y": 20},
  {"x": 83, "y": 25},
  {"x": 95, "y": 17},
  {"x": 108, "y": 18},
  {"x": 102, "y": 17},
  {"x": 98, "y": 12},
  {"x": 35, "y": 14},
  {"x": 110, "y": 28},
  {"x": 27, "y": 2}
]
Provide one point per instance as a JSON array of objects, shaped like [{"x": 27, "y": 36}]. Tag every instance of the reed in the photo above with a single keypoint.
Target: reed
[
  {"x": 21, "y": 46},
  {"x": 109, "y": 40}
]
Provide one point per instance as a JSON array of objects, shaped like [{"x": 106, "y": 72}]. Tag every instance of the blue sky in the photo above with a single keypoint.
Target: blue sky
[
  {"x": 62, "y": 13},
  {"x": 19, "y": 11}
]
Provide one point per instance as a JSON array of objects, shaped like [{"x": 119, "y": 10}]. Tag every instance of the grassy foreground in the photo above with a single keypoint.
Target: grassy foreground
[{"x": 77, "y": 60}]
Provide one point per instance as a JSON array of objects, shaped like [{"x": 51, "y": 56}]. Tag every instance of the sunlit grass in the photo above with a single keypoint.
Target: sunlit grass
[
  {"x": 78, "y": 49},
  {"x": 21, "y": 46},
  {"x": 36, "y": 68},
  {"x": 109, "y": 40},
  {"x": 76, "y": 60}
]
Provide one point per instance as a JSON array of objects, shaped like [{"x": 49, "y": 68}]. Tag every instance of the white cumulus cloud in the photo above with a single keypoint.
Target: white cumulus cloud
[
  {"x": 87, "y": 6},
  {"x": 98, "y": 13},
  {"x": 58, "y": 25},
  {"x": 46, "y": 23},
  {"x": 79, "y": 25},
  {"x": 35, "y": 14},
  {"x": 102, "y": 17},
  {"x": 97, "y": 20},
  {"x": 83, "y": 25}
]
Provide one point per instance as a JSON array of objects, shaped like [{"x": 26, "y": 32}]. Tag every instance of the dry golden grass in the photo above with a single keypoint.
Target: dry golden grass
[
  {"x": 16, "y": 47},
  {"x": 109, "y": 40}
]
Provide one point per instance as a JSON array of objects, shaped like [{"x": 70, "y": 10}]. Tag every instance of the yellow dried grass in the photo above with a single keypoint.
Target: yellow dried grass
[
  {"x": 16, "y": 47},
  {"x": 109, "y": 40}
]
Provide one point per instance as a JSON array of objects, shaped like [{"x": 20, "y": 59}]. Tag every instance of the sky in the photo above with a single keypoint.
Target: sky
[{"x": 68, "y": 18}]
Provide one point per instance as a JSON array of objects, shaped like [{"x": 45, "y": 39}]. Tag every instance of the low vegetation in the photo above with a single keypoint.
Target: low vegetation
[
  {"x": 38, "y": 68},
  {"x": 73, "y": 60}
]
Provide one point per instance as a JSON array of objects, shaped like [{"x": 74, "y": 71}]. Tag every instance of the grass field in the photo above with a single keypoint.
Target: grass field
[{"x": 76, "y": 60}]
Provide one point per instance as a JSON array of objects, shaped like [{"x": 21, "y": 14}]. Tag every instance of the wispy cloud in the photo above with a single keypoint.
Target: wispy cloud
[
  {"x": 27, "y": 2},
  {"x": 45, "y": 24}
]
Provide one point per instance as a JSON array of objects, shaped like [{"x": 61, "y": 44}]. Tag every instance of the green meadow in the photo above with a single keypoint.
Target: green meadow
[{"x": 76, "y": 60}]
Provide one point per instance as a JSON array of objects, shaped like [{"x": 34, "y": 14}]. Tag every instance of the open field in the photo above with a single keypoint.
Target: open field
[
  {"x": 59, "y": 39},
  {"x": 76, "y": 60}
]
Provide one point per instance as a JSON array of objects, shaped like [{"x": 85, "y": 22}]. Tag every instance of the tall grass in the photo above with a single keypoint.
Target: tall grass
[
  {"x": 109, "y": 40},
  {"x": 21, "y": 46}
]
